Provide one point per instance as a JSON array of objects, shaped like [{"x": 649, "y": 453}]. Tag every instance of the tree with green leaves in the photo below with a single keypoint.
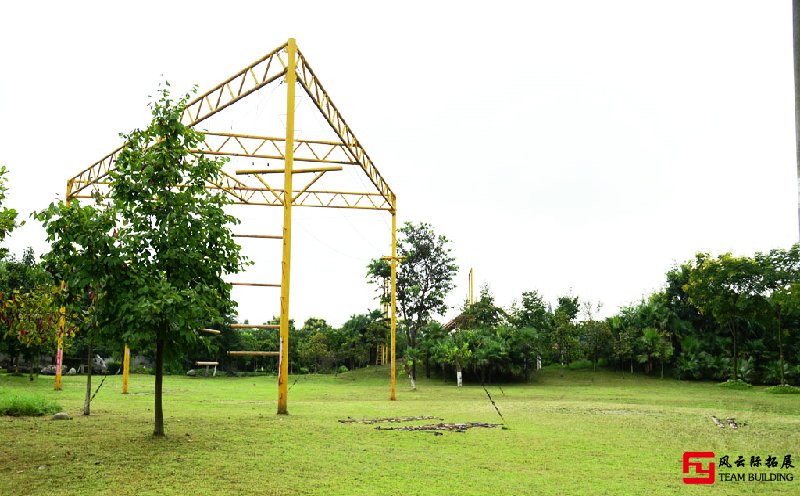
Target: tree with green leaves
[
  {"x": 454, "y": 350},
  {"x": 8, "y": 216},
  {"x": 424, "y": 279},
  {"x": 728, "y": 288},
  {"x": 83, "y": 256},
  {"x": 17, "y": 276},
  {"x": 781, "y": 294},
  {"x": 172, "y": 243},
  {"x": 565, "y": 331}
]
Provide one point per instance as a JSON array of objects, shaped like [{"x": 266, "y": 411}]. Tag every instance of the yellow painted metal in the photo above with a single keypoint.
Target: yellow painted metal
[
  {"x": 313, "y": 87},
  {"x": 255, "y": 326},
  {"x": 394, "y": 298},
  {"x": 254, "y": 353},
  {"x": 259, "y": 236},
  {"x": 126, "y": 369},
  {"x": 59, "y": 351},
  {"x": 307, "y": 170},
  {"x": 259, "y": 284},
  {"x": 62, "y": 312},
  {"x": 268, "y": 147},
  {"x": 283, "y": 374},
  {"x": 471, "y": 291}
]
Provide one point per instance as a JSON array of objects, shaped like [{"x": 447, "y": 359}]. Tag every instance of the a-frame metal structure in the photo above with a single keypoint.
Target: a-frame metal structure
[{"x": 255, "y": 186}]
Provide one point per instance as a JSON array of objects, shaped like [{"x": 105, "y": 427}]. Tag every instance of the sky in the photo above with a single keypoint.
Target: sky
[{"x": 570, "y": 147}]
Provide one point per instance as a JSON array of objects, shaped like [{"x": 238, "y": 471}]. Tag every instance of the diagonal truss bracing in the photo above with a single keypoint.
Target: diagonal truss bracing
[{"x": 247, "y": 81}]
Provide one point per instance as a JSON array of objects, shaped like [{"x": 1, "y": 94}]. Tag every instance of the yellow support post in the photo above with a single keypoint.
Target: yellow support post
[
  {"x": 60, "y": 348},
  {"x": 126, "y": 367},
  {"x": 394, "y": 294},
  {"x": 471, "y": 291},
  {"x": 291, "y": 78},
  {"x": 62, "y": 311}
]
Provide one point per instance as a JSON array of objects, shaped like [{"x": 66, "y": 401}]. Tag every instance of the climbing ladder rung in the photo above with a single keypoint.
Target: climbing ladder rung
[
  {"x": 259, "y": 236},
  {"x": 265, "y": 285},
  {"x": 255, "y": 326},
  {"x": 254, "y": 353},
  {"x": 209, "y": 331}
]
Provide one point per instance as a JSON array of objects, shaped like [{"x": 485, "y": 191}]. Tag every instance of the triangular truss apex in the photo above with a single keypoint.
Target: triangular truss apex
[{"x": 256, "y": 190}]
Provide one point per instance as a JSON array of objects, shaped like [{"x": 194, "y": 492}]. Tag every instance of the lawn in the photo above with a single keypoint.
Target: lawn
[{"x": 569, "y": 432}]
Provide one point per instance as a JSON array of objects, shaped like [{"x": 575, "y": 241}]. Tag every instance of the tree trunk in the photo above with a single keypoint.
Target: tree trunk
[
  {"x": 87, "y": 401},
  {"x": 414, "y": 360},
  {"x": 525, "y": 368},
  {"x": 631, "y": 365},
  {"x": 410, "y": 376},
  {"x": 159, "y": 412},
  {"x": 458, "y": 375},
  {"x": 427, "y": 365},
  {"x": 662, "y": 369}
]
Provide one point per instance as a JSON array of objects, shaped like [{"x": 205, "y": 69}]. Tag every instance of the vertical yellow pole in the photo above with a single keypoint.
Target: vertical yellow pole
[
  {"x": 283, "y": 373},
  {"x": 126, "y": 367},
  {"x": 394, "y": 294},
  {"x": 471, "y": 291},
  {"x": 62, "y": 322},
  {"x": 60, "y": 347}
]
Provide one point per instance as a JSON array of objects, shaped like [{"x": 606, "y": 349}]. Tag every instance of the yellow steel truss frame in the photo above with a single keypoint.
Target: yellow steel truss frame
[{"x": 253, "y": 188}]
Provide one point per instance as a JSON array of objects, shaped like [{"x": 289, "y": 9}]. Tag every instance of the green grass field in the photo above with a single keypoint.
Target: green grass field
[{"x": 570, "y": 432}]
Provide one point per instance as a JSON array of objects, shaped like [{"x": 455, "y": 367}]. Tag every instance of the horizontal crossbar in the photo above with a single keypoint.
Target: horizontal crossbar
[
  {"x": 242, "y": 172},
  {"x": 260, "y": 236},
  {"x": 265, "y": 285},
  {"x": 209, "y": 331},
  {"x": 255, "y": 326},
  {"x": 207, "y": 364},
  {"x": 254, "y": 353}
]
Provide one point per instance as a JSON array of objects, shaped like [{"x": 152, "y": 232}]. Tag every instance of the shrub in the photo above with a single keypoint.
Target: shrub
[
  {"x": 304, "y": 370},
  {"x": 737, "y": 384},
  {"x": 342, "y": 369},
  {"x": 23, "y": 404},
  {"x": 783, "y": 390}
]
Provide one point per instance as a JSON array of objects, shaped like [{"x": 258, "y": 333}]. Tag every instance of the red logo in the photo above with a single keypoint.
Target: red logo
[{"x": 708, "y": 474}]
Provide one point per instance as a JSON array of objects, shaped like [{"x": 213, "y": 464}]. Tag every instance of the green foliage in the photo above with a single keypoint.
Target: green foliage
[
  {"x": 735, "y": 384},
  {"x": 783, "y": 390},
  {"x": 424, "y": 278},
  {"x": 17, "y": 403},
  {"x": 564, "y": 336},
  {"x": 153, "y": 258},
  {"x": 8, "y": 216}
]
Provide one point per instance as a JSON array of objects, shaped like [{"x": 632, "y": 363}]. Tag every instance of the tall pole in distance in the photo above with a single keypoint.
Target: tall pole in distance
[
  {"x": 283, "y": 374},
  {"x": 126, "y": 367},
  {"x": 394, "y": 296},
  {"x": 62, "y": 314},
  {"x": 796, "y": 43}
]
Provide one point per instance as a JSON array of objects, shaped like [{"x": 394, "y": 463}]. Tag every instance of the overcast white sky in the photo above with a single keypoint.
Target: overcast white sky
[{"x": 563, "y": 146}]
